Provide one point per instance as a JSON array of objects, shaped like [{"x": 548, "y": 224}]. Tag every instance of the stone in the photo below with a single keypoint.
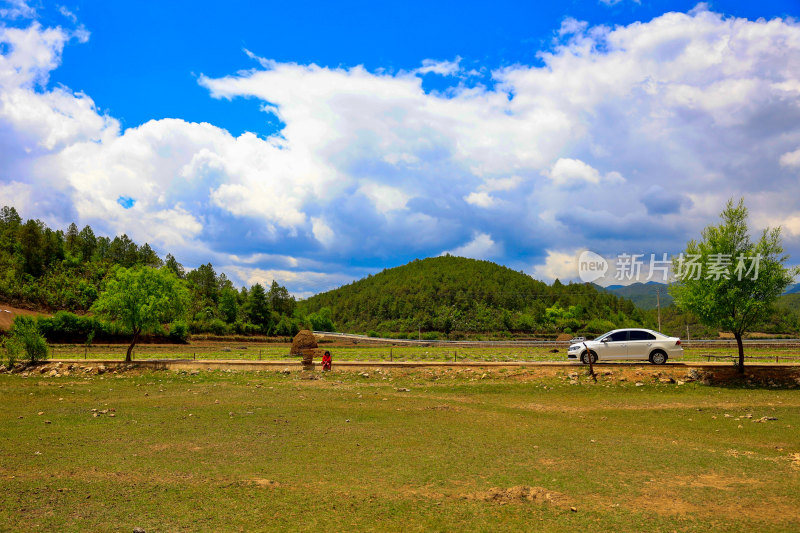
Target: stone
[
  {"x": 666, "y": 380},
  {"x": 639, "y": 384},
  {"x": 138, "y": 530},
  {"x": 693, "y": 374}
]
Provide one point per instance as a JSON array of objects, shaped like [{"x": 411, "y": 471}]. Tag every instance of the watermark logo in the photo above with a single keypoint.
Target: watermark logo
[
  {"x": 663, "y": 268},
  {"x": 591, "y": 266}
]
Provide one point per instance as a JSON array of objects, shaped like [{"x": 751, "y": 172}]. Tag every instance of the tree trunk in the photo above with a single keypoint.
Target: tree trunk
[
  {"x": 133, "y": 343},
  {"x": 738, "y": 337}
]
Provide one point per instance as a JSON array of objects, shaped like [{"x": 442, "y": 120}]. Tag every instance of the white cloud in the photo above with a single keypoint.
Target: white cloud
[
  {"x": 558, "y": 265},
  {"x": 442, "y": 68},
  {"x": 572, "y": 172},
  {"x": 482, "y": 246},
  {"x": 384, "y": 197},
  {"x": 568, "y": 171},
  {"x": 15, "y": 9},
  {"x": 303, "y": 283},
  {"x": 322, "y": 232},
  {"x": 480, "y": 199},
  {"x": 658, "y": 122},
  {"x": 791, "y": 159}
]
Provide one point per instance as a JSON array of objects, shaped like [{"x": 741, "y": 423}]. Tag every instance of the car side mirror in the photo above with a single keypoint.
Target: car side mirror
[{"x": 604, "y": 340}]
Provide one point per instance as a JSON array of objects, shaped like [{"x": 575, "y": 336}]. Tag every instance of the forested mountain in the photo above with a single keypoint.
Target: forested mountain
[
  {"x": 52, "y": 270},
  {"x": 643, "y": 295},
  {"x": 457, "y": 294}
]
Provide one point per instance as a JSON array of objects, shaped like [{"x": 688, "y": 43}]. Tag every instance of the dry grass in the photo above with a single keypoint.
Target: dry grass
[{"x": 224, "y": 451}]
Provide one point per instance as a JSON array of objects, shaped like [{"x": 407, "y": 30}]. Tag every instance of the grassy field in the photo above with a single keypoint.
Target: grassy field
[
  {"x": 458, "y": 450},
  {"x": 222, "y": 350}
]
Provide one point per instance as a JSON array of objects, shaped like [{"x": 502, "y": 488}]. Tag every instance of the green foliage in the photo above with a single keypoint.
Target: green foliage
[
  {"x": 25, "y": 341},
  {"x": 141, "y": 299},
  {"x": 66, "y": 271},
  {"x": 730, "y": 303},
  {"x": 719, "y": 295},
  {"x": 321, "y": 320},
  {"x": 179, "y": 331},
  {"x": 258, "y": 310},
  {"x": 286, "y": 327}
]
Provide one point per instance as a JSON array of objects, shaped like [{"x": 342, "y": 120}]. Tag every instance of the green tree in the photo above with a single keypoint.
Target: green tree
[
  {"x": 736, "y": 280},
  {"x": 229, "y": 304},
  {"x": 88, "y": 243},
  {"x": 280, "y": 300},
  {"x": 173, "y": 266},
  {"x": 258, "y": 310},
  {"x": 321, "y": 320},
  {"x": 24, "y": 339},
  {"x": 142, "y": 299}
]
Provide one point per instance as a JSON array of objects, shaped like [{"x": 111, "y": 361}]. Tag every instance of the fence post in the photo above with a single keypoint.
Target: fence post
[
  {"x": 390, "y": 354},
  {"x": 85, "y": 352},
  {"x": 455, "y": 356}
]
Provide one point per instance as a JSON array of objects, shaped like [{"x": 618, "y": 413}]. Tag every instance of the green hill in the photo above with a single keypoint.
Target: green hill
[
  {"x": 448, "y": 294},
  {"x": 643, "y": 295}
]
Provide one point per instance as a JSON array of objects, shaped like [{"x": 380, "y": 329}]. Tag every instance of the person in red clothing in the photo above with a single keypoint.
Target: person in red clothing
[{"x": 326, "y": 361}]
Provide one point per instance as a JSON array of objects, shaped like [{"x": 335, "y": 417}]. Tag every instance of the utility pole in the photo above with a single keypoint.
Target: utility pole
[{"x": 658, "y": 305}]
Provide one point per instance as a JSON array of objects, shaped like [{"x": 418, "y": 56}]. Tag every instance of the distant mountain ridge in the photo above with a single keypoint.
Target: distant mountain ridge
[{"x": 643, "y": 295}]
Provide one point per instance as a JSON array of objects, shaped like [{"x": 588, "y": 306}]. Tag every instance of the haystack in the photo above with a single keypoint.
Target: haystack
[{"x": 305, "y": 340}]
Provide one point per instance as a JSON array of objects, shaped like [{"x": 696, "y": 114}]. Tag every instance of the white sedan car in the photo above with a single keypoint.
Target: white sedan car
[{"x": 643, "y": 344}]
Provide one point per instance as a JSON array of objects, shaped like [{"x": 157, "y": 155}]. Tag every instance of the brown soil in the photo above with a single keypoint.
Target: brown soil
[
  {"x": 7, "y": 314},
  {"x": 520, "y": 494}
]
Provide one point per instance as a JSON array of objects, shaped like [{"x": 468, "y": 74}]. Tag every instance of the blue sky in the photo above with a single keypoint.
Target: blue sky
[{"x": 315, "y": 142}]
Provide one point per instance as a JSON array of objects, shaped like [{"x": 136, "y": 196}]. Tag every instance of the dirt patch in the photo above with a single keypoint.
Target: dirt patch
[
  {"x": 267, "y": 483},
  {"x": 7, "y": 314},
  {"x": 520, "y": 494},
  {"x": 795, "y": 458}
]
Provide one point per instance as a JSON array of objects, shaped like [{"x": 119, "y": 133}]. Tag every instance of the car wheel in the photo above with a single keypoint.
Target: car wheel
[
  {"x": 585, "y": 358},
  {"x": 658, "y": 357}
]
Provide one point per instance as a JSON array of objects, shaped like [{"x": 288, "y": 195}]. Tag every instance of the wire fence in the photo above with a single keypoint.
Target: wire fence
[{"x": 374, "y": 352}]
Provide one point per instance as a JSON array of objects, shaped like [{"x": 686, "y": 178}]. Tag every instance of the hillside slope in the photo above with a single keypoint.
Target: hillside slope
[
  {"x": 643, "y": 295},
  {"x": 458, "y": 294}
]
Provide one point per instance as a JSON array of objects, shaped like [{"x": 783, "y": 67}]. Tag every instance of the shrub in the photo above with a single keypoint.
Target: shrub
[
  {"x": 246, "y": 328},
  {"x": 286, "y": 327},
  {"x": 372, "y": 333},
  {"x": 25, "y": 340},
  {"x": 321, "y": 320},
  {"x": 599, "y": 325},
  {"x": 179, "y": 331},
  {"x": 218, "y": 327},
  {"x": 11, "y": 351}
]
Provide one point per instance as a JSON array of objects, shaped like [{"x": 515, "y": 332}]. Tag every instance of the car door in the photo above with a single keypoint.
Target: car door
[
  {"x": 615, "y": 346},
  {"x": 640, "y": 343}
]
